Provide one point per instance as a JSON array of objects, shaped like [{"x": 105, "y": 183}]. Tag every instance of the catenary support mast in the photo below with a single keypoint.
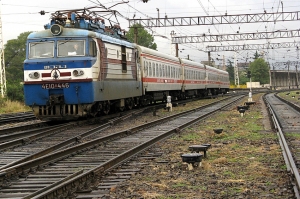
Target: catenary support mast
[{"x": 2, "y": 62}]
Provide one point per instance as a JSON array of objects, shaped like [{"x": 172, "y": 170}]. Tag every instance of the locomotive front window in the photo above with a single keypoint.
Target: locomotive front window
[
  {"x": 67, "y": 48},
  {"x": 39, "y": 50}
]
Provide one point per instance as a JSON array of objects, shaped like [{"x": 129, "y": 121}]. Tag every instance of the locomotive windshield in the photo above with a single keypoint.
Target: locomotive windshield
[
  {"x": 70, "y": 48},
  {"x": 41, "y": 50},
  {"x": 65, "y": 48}
]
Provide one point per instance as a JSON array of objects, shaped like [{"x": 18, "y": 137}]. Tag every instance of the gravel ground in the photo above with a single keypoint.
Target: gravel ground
[{"x": 245, "y": 161}]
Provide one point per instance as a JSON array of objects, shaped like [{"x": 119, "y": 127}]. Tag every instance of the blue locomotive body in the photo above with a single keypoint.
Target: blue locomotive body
[{"x": 60, "y": 83}]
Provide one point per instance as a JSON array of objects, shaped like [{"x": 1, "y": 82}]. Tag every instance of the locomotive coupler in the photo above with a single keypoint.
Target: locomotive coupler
[{"x": 56, "y": 99}]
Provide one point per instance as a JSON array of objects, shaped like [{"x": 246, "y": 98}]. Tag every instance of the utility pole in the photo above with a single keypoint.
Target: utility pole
[
  {"x": 2, "y": 62},
  {"x": 135, "y": 35},
  {"x": 289, "y": 80},
  {"x": 236, "y": 72},
  {"x": 224, "y": 62},
  {"x": 274, "y": 78},
  {"x": 176, "y": 44},
  {"x": 297, "y": 80}
]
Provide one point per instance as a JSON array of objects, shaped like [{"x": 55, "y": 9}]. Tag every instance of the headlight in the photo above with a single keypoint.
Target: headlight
[
  {"x": 56, "y": 29},
  {"x": 78, "y": 72},
  {"x": 34, "y": 75}
]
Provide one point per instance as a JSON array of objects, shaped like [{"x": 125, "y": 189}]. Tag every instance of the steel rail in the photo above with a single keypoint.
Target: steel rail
[
  {"x": 16, "y": 117},
  {"x": 24, "y": 140},
  {"x": 73, "y": 140},
  {"x": 290, "y": 163}
]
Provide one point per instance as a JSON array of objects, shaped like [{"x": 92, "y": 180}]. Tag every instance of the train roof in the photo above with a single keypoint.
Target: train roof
[
  {"x": 185, "y": 61},
  {"x": 75, "y": 33},
  {"x": 143, "y": 49}
]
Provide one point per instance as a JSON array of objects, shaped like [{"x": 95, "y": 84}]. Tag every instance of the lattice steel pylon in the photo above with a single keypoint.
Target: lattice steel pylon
[{"x": 2, "y": 62}]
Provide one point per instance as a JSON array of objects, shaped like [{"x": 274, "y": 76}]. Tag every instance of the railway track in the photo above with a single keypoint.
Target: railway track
[
  {"x": 80, "y": 167},
  {"x": 285, "y": 117},
  {"x": 16, "y": 117},
  {"x": 38, "y": 142}
]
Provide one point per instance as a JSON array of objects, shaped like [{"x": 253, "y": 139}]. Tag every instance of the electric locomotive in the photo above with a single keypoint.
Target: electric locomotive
[{"x": 61, "y": 82}]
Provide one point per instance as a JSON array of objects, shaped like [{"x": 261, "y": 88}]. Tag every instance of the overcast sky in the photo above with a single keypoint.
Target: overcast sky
[{"x": 19, "y": 16}]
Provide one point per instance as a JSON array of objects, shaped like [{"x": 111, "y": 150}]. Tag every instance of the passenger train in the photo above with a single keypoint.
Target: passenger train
[{"x": 106, "y": 72}]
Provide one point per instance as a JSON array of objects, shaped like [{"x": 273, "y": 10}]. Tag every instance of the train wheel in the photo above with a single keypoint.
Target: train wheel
[
  {"x": 106, "y": 107},
  {"x": 94, "y": 110},
  {"x": 129, "y": 103}
]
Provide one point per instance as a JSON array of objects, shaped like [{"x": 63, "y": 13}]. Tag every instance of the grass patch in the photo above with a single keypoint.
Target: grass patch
[
  {"x": 8, "y": 106},
  {"x": 291, "y": 96}
]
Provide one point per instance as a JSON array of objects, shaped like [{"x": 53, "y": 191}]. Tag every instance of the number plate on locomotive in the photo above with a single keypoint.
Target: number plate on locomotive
[{"x": 55, "y": 85}]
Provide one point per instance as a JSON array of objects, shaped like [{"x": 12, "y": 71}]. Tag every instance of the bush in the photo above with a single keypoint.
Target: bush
[{"x": 15, "y": 92}]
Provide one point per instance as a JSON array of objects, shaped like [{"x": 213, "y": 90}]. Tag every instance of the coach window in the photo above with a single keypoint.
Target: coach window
[
  {"x": 174, "y": 73},
  {"x": 167, "y": 71},
  {"x": 146, "y": 68},
  {"x": 161, "y": 72},
  {"x": 153, "y": 69},
  {"x": 150, "y": 70}
]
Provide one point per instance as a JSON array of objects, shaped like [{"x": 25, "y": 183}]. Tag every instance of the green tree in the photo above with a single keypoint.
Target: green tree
[
  {"x": 143, "y": 37},
  {"x": 15, "y": 53},
  {"x": 243, "y": 77},
  {"x": 230, "y": 70},
  {"x": 256, "y": 55},
  {"x": 260, "y": 71}
]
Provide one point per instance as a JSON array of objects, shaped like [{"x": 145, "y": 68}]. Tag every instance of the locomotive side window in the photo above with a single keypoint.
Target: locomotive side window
[
  {"x": 39, "y": 50},
  {"x": 67, "y": 48},
  {"x": 124, "y": 59},
  {"x": 92, "y": 49}
]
